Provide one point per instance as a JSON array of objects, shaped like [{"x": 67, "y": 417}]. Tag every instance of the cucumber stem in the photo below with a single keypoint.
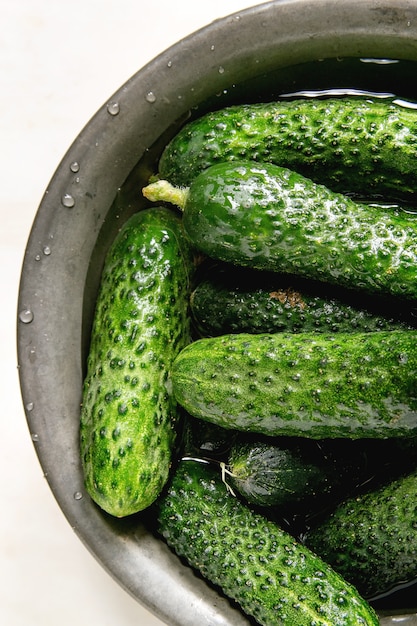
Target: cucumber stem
[{"x": 163, "y": 191}]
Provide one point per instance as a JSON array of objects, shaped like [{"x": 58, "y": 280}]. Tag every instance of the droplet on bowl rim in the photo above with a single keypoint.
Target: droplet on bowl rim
[
  {"x": 113, "y": 108},
  {"x": 150, "y": 97},
  {"x": 26, "y": 316},
  {"x": 29, "y": 406},
  {"x": 35, "y": 437},
  {"x": 47, "y": 250},
  {"x": 68, "y": 200},
  {"x": 78, "y": 495},
  {"x": 75, "y": 167}
]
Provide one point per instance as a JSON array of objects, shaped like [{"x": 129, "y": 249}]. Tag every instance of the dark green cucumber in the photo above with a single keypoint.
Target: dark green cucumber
[
  {"x": 371, "y": 539},
  {"x": 270, "y": 218},
  {"x": 364, "y": 145},
  {"x": 271, "y": 576},
  {"x": 306, "y": 477},
  {"x": 129, "y": 416},
  {"x": 230, "y": 300},
  {"x": 290, "y": 471},
  {"x": 307, "y": 384}
]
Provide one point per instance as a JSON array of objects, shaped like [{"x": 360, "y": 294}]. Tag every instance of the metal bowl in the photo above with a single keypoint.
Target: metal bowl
[{"x": 277, "y": 47}]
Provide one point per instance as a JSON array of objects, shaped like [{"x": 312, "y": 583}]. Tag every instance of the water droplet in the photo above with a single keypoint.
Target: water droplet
[
  {"x": 38, "y": 257},
  {"x": 113, "y": 108},
  {"x": 221, "y": 70},
  {"x": 47, "y": 250},
  {"x": 169, "y": 64},
  {"x": 35, "y": 437},
  {"x": 68, "y": 201},
  {"x": 29, "y": 406},
  {"x": 150, "y": 97},
  {"x": 212, "y": 47},
  {"x": 75, "y": 167},
  {"x": 26, "y": 316},
  {"x": 78, "y": 495}
]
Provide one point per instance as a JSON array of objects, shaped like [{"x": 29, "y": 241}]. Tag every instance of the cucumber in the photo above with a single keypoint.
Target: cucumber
[
  {"x": 129, "y": 417},
  {"x": 307, "y": 384},
  {"x": 371, "y": 539},
  {"x": 271, "y": 218},
  {"x": 362, "y": 145},
  {"x": 290, "y": 471},
  {"x": 228, "y": 299},
  {"x": 252, "y": 560},
  {"x": 307, "y": 477}
]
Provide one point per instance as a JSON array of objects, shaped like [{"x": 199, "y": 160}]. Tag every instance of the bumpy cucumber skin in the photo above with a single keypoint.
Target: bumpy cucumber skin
[
  {"x": 231, "y": 300},
  {"x": 129, "y": 416},
  {"x": 270, "y": 218},
  {"x": 273, "y": 577},
  {"x": 357, "y": 145},
  {"x": 371, "y": 539},
  {"x": 307, "y": 384}
]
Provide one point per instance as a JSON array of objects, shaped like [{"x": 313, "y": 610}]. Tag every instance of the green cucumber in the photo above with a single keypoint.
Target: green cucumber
[
  {"x": 292, "y": 471},
  {"x": 303, "y": 384},
  {"x": 362, "y": 145},
  {"x": 271, "y": 218},
  {"x": 228, "y": 299},
  {"x": 371, "y": 539},
  {"x": 273, "y": 577},
  {"x": 129, "y": 416},
  {"x": 306, "y": 477}
]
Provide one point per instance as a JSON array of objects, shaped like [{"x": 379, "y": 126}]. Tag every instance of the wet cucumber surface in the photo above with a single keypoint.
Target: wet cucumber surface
[
  {"x": 271, "y": 218},
  {"x": 293, "y": 473},
  {"x": 273, "y": 577},
  {"x": 352, "y": 143},
  {"x": 308, "y": 384},
  {"x": 228, "y": 299},
  {"x": 129, "y": 417},
  {"x": 371, "y": 538}
]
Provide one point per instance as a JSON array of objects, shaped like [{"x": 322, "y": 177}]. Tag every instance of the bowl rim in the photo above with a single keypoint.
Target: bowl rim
[{"x": 72, "y": 212}]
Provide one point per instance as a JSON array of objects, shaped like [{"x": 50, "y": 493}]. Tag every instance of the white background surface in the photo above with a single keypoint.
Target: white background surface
[{"x": 59, "y": 62}]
